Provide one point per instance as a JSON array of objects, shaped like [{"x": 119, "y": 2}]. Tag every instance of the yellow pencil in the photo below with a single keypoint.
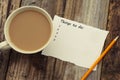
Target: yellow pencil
[{"x": 99, "y": 59}]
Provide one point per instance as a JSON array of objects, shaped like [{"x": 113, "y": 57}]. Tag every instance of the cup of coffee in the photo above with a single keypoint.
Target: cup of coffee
[{"x": 27, "y": 30}]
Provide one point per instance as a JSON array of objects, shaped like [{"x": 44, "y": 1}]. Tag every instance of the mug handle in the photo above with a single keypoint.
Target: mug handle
[{"x": 4, "y": 45}]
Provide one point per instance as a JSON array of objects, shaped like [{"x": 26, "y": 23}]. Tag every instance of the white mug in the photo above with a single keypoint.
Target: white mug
[{"x": 8, "y": 44}]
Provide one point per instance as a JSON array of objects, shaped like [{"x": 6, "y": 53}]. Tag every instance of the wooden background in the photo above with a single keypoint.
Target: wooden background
[{"x": 104, "y": 14}]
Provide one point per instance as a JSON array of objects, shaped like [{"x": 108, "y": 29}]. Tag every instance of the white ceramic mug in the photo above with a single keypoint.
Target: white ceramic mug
[{"x": 8, "y": 44}]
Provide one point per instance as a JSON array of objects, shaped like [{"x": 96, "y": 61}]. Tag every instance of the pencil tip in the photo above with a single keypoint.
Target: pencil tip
[{"x": 116, "y": 37}]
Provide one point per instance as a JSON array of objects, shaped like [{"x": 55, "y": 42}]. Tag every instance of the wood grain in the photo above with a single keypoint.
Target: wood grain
[
  {"x": 111, "y": 62},
  {"x": 39, "y": 67},
  {"x": 4, "y": 55}
]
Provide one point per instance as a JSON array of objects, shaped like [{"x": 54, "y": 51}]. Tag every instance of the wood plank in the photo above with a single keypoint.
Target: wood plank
[
  {"x": 4, "y": 55},
  {"x": 111, "y": 62},
  {"x": 39, "y": 67}
]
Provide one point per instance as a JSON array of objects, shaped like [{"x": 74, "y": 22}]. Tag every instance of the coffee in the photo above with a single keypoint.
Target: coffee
[{"x": 29, "y": 30}]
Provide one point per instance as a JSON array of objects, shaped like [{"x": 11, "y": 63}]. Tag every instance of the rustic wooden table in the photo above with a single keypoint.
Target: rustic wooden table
[{"x": 104, "y": 14}]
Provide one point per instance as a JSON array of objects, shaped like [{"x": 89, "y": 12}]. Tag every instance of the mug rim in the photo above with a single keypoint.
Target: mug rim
[{"x": 17, "y": 11}]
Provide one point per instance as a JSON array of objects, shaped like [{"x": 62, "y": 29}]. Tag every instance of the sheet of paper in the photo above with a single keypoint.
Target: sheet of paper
[{"x": 75, "y": 42}]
